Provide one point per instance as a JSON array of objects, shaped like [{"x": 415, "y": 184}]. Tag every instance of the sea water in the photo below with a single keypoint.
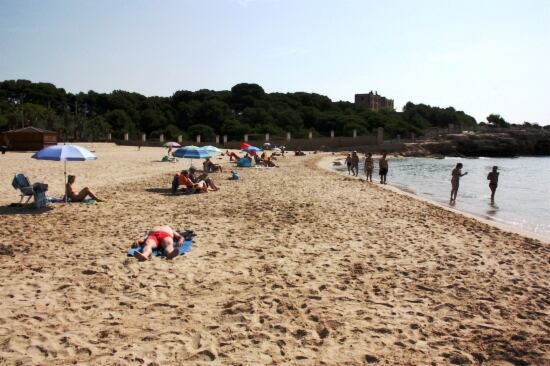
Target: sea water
[{"x": 522, "y": 199}]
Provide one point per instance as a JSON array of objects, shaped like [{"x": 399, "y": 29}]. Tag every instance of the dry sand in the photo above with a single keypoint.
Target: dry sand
[{"x": 292, "y": 265}]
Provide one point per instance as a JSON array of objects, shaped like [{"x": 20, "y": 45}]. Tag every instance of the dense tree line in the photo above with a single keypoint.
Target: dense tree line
[{"x": 246, "y": 108}]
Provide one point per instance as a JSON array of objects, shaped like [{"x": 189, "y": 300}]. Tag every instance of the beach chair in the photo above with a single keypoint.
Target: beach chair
[
  {"x": 26, "y": 189},
  {"x": 21, "y": 182}
]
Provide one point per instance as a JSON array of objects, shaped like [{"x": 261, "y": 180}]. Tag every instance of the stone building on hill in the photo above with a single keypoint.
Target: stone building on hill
[{"x": 373, "y": 101}]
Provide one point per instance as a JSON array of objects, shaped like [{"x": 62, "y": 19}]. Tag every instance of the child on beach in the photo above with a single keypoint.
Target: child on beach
[
  {"x": 492, "y": 177},
  {"x": 383, "y": 168},
  {"x": 369, "y": 166},
  {"x": 455, "y": 180},
  {"x": 159, "y": 236}
]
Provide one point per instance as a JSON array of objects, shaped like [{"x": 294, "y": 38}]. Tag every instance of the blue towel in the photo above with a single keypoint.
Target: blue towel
[{"x": 158, "y": 252}]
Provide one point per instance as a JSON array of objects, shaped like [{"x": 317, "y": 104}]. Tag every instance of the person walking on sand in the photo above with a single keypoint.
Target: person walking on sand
[
  {"x": 383, "y": 168},
  {"x": 355, "y": 163},
  {"x": 492, "y": 177},
  {"x": 455, "y": 180},
  {"x": 369, "y": 166},
  {"x": 160, "y": 236},
  {"x": 348, "y": 163}
]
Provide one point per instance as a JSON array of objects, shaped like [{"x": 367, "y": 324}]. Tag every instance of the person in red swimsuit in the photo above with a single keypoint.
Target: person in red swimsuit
[{"x": 160, "y": 236}]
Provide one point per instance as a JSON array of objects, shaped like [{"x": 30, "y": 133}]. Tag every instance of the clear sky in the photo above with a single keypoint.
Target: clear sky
[{"x": 482, "y": 56}]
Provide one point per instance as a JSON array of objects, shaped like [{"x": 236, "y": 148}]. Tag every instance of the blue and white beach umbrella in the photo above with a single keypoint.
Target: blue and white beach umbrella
[
  {"x": 191, "y": 152},
  {"x": 64, "y": 153},
  {"x": 211, "y": 149}
]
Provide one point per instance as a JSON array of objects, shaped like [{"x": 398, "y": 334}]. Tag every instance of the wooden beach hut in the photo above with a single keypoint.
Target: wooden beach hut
[{"x": 28, "y": 139}]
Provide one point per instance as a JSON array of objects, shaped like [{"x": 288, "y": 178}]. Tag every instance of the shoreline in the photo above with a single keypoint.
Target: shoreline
[{"x": 326, "y": 163}]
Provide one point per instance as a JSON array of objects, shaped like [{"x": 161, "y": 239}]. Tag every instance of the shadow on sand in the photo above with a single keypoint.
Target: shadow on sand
[
  {"x": 27, "y": 209},
  {"x": 162, "y": 191}
]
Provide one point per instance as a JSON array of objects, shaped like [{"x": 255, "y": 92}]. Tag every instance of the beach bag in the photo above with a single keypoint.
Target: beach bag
[{"x": 39, "y": 192}]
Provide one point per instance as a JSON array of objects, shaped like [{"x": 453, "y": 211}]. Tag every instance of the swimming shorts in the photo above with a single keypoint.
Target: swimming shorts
[
  {"x": 383, "y": 171},
  {"x": 157, "y": 237}
]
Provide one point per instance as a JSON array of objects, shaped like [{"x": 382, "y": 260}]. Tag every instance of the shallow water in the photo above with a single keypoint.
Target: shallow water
[{"x": 522, "y": 198}]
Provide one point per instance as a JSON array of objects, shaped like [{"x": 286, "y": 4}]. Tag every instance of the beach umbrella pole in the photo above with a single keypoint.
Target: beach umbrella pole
[{"x": 65, "y": 186}]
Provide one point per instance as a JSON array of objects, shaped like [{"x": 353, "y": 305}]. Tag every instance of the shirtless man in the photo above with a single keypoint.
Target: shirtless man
[
  {"x": 455, "y": 180},
  {"x": 77, "y": 196},
  {"x": 369, "y": 166},
  {"x": 159, "y": 236},
  {"x": 492, "y": 177}
]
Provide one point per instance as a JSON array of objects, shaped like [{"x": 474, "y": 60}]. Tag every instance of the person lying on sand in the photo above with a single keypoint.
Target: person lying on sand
[
  {"x": 232, "y": 155},
  {"x": 78, "y": 196},
  {"x": 159, "y": 237}
]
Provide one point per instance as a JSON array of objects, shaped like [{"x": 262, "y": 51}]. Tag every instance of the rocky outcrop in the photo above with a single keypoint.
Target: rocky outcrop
[{"x": 496, "y": 144}]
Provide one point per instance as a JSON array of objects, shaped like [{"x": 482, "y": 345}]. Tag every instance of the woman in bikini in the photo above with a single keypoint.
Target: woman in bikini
[
  {"x": 159, "y": 237},
  {"x": 78, "y": 196}
]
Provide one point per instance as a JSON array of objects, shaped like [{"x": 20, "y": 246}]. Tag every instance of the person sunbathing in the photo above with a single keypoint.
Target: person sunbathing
[
  {"x": 204, "y": 178},
  {"x": 78, "y": 196},
  {"x": 232, "y": 155},
  {"x": 184, "y": 179},
  {"x": 163, "y": 237},
  {"x": 209, "y": 166}
]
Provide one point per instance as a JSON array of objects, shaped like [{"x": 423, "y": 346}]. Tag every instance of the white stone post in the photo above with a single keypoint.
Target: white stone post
[
  {"x": 267, "y": 137},
  {"x": 398, "y": 139},
  {"x": 331, "y": 134},
  {"x": 180, "y": 139},
  {"x": 217, "y": 139},
  {"x": 288, "y": 136},
  {"x": 161, "y": 138},
  {"x": 310, "y": 135},
  {"x": 224, "y": 139},
  {"x": 380, "y": 136},
  {"x": 126, "y": 136},
  {"x": 143, "y": 137},
  {"x": 198, "y": 139},
  {"x": 245, "y": 137},
  {"x": 354, "y": 133},
  {"x": 109, "y": 137}
]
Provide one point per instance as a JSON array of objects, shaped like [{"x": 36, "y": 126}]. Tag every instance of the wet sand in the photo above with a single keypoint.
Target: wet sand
[{"x": 291, "y": 265}]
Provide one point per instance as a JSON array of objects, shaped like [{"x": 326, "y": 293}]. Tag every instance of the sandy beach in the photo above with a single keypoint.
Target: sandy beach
[{"x": 290, "y": 265}]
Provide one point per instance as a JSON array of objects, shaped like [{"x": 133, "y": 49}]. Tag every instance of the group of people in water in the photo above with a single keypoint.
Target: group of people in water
[
  {"x": 456, "y": 174},
  {"x": 352, "y": 163}
]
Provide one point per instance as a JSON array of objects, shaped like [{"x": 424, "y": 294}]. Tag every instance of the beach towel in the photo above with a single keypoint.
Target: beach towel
[
  {"x": 87, "y": 201},
  {"x": 158, "y": 252}
]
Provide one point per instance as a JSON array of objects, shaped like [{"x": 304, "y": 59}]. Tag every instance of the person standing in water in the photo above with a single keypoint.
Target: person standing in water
[
  {"x": 369, "y": 166},
  {"x": 455, "y": 180},
  {"x": 492, "y": 177},
  {"x": 348, "y": 163},
  {"x": 383, "y": 168}
]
